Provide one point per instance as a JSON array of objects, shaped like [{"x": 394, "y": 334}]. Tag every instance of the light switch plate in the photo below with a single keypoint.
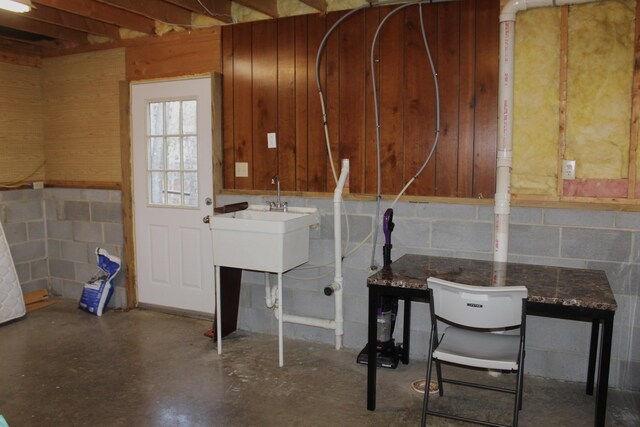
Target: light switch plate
[
  {"x": 568, "y": 169},
  {"x": 271, "y": 140},
  {"x": 242, "y": 169}
]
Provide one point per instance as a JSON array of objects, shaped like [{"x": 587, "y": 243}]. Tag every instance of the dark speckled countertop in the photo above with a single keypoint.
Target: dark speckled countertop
[{"x": 546, "y": 284}]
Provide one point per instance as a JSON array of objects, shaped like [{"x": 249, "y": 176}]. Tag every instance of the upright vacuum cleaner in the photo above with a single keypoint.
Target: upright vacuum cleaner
[{"x": 388, "y": 352}]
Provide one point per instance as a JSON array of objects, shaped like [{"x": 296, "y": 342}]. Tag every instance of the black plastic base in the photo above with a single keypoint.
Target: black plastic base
[{"x": 388, "y": 355}]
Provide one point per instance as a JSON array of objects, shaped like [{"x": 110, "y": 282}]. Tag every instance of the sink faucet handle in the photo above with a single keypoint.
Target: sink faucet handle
[{"x": 275, "y": 179}]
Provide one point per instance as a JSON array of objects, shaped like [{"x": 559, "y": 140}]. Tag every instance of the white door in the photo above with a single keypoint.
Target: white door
[{"x": 173, "y": 186}]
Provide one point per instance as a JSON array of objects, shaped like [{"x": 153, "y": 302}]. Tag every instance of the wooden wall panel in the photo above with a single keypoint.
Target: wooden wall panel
[
  {"x": 449, "y": 68},
  {"x": 21, "y": 138},
  {"x": 420, "y": 110},
  {"x": 317, "y": 152},
  {"x": 301, "y": 103},
  {"x": 390, "y": 96},
  {"x": 175, "y": 54},
  {"x": 242, "y": 102},
  {"x": 264, "y": 102},
  {"x": 286, "y": 167},
  {"x": 82, "y": 116},
  {"x": 353, "y": 64},
  {"x": 228, "y": 151},
  {"x": 486, "y": 107},
  {"x": 464, "y": 43}
]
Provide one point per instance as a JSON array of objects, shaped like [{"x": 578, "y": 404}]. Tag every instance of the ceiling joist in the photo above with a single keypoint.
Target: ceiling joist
[
  {"x": 268, "y": 7},
  {"x": 218, "y": 9},
  {"x": 21, "y": 23},
  {"x": 159, "y": 10},
  {"x": 75, "y": 22}
]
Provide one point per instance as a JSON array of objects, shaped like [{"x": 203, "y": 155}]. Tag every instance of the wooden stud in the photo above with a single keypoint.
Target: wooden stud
[
  {"x": 562, "y": 120},
  {"x": 268, "y": 7},
  {"x": 635, "y": 111}
]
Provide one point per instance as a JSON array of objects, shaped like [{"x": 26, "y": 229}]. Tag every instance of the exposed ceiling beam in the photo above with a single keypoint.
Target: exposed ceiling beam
[
  {"x": 319, "y": 5},
  {"x": 103, "y": 12},
  {"x": 22, "y": 23},
  {"x": 158, "y": 10},
  {"x": 73, "y": 21},
  {"x": 218, "y": 9},
  {"x": 268, "y": 7}
]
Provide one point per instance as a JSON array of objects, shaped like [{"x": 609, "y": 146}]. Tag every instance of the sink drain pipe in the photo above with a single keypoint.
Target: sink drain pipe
[{"x": 335, "y": 288}]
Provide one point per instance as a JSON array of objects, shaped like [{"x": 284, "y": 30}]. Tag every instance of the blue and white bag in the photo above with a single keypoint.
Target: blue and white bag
[{"x": 98, "y": 291}]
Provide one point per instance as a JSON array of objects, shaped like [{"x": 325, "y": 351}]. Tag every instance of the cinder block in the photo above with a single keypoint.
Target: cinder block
[
  {"x": 84, "y": 271},
  {"x": 359, "y": 227},
  {"x": 72, "y": 289},
  {"x": 34, "y": 194},
  {"x": 630, "y": 220},
  {"x": 55, "y": 285},
  {"x": 113, "y": 233},
  {"x": 635, "y": 255},
  {"x": 620, "y": 276},
  {"x": 106, "y": 212},
  {"x": 578, "y": 218},
  {"x": 51, "y": 210},
  {"x": 630, "y": 375},
  {"x": 534, "y": 240},
  {"x": 62, "y": 269},
  {"x": 24, "y": 211},
  {"x": 467, "y": 236},
  {"x": 73, "y": 251},
  {"x": 39, "y": 269},
  {"x": 62, "y": 230},
  {"x": 76, "y": 211},
  {"x": 604, "y": 245},
  {"x": 95, "y": 195},
  {"x": 15, "y": 233},
  {"x": 36, "y": 230},
  {"x": 112, "y": 249},
  {"x": 53, "y": 248},
  {"x": 446, "y": 211},
  {"x": 115, "y": 196},
  {"x": 28, "y": 251},
  {"x": 410, "y": 232},
  {"x": 87, "y": 231},
  {"x": 12, "y": 195},
  {"x": 24, "y": 274}
]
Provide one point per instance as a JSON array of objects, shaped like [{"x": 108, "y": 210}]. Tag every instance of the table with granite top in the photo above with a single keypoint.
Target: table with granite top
[{"x": 559, "y": 292}]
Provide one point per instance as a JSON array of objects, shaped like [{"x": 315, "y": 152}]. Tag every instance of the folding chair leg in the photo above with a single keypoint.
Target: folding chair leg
[
  {"x": 440, "y": 382},
  {"x": 425, "y": 404}
]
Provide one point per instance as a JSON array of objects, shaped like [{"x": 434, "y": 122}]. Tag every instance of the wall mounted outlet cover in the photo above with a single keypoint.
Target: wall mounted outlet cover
[
  {"x": 242, "y": 169},
  {"x": 568, "y": 169},
  {"x": 271, "y": 140}
]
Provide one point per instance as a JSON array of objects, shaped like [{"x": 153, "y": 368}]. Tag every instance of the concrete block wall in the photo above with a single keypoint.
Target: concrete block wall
[
  {"x": 23, "y": 220},
  {"x": 79, "y": 221},
  {"x": 573, "y": 238}
]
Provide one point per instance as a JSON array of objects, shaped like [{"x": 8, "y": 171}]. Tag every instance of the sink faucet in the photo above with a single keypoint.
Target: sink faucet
[{"x": 278, "y": 205}]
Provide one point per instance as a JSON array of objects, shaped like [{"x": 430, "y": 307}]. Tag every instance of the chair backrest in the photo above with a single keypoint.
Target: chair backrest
[{"x": 477, "y": 306}]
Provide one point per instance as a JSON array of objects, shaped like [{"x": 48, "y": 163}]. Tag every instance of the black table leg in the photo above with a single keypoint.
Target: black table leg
[
  {"x": 593, "y": 354},
  {"x": 372, "y": 362},
  {"x": 603, "y": 369},
  {"x": 406, "y": 331}
]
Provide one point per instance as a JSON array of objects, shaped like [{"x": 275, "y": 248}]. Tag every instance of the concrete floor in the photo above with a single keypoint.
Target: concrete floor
[{"x": 63, "y": 367}]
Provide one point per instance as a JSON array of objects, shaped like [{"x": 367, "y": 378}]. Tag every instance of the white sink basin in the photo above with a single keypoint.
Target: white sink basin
[{"x": 259, "y": 239}]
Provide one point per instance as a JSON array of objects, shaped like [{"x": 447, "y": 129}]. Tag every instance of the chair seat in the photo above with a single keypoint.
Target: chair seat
[{"x": 478, "y": 349}]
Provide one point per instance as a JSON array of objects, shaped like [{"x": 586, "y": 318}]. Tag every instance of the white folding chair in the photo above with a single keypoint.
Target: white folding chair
[{"x": 474, "y": 314}]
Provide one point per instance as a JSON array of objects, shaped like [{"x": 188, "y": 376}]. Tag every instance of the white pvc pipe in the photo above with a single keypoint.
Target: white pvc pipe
[
  {"x": 505, "y": 117},
  {"x": 218, "y": 310},
  {"x": 337, "y": 245},
  {"x": 280, "y": 331}
]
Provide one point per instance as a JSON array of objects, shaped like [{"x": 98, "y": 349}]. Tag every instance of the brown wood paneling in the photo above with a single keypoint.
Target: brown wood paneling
[
  {"x": 228, "y": 151},
  {"x": 265, "y": 106},
  {"x": 449, "y": 68},
  {"x": 420, "y": 106},
  {"x": 242, "y": 102},
  {"x": 390, "y": 92},
  {"x": 333, "y": 100},
  {"x": 301, "y": 102},
  {"x": 353, "y": 63},
  {"x": 486, "y": 118},
  {"x": 175, "y": 54},
  {"x": 466, "y": 100},
  {"x": 286, "y": 103},
  {"x": 372, "y": 19},
  {"x": 317, "y": 152}
]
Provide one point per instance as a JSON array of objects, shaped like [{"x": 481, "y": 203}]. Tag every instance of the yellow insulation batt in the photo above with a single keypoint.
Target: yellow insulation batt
[{"x": 535, "y": 125}]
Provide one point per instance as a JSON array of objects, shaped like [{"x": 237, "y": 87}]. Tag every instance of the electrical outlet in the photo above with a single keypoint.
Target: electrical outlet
[
  {"x": 271, "y": 140},
  {"x": 38, "y": 185},
  {"x": 568, "y": 169},
  {"x": 242, "y": 169}
]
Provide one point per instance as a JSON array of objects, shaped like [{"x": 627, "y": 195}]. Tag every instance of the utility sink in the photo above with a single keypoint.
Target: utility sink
[{"x": 263, "y": 240}]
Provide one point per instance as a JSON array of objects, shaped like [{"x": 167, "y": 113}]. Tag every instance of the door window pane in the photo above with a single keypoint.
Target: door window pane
[{"x": 172, "y": 153}]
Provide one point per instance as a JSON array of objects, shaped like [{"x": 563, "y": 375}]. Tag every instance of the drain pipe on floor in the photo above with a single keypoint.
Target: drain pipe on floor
[
  {"x": 334, "y": 288},
  {"x": 505, "y": 118}
]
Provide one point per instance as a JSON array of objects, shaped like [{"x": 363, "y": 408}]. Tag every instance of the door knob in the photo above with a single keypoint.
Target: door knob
[
  {"x": 208, "y": 201},
  {"x": 206, "y": 219}
]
